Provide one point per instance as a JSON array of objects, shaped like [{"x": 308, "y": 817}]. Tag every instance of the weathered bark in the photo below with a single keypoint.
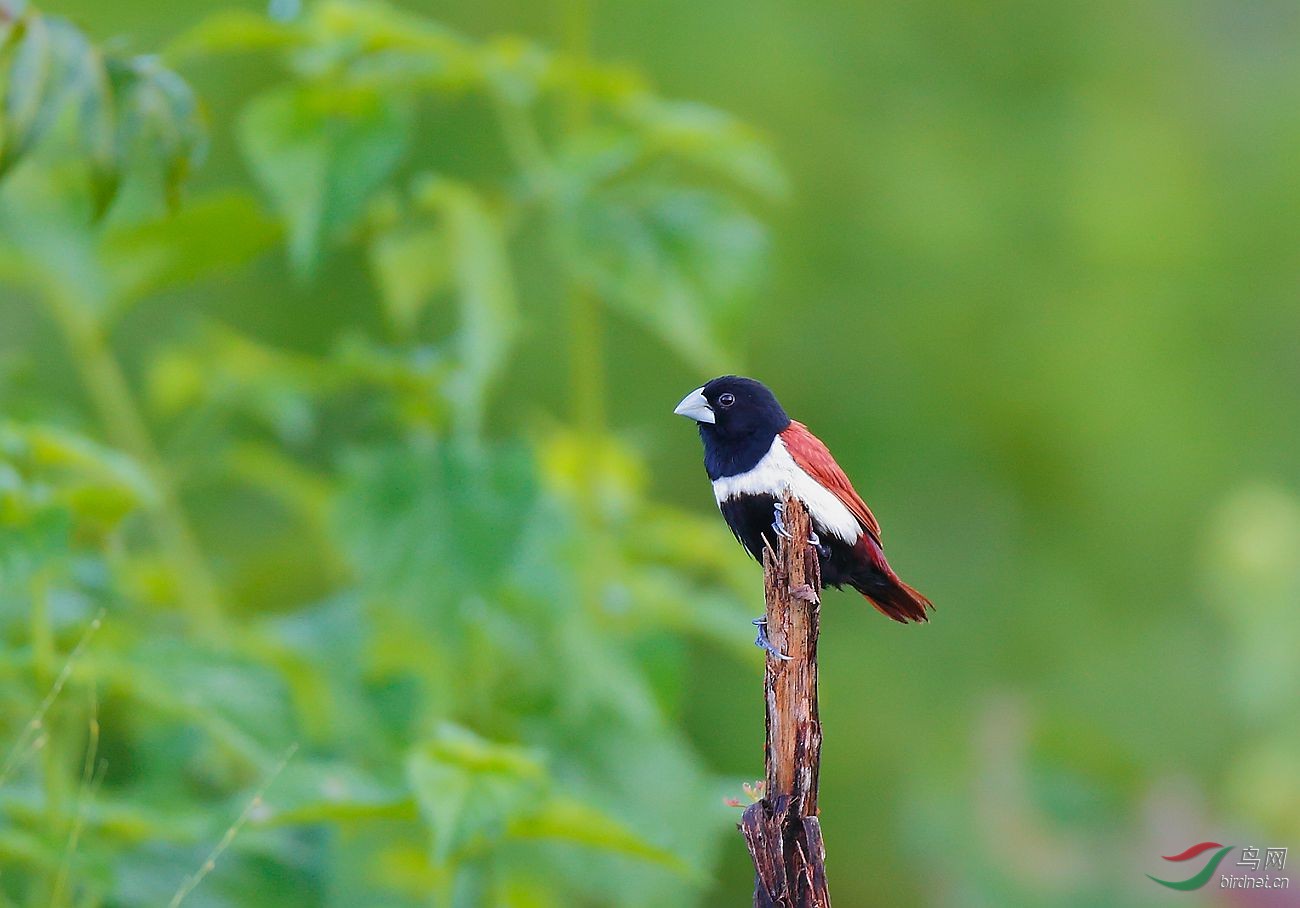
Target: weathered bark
[{"x": 782, "y": 830}]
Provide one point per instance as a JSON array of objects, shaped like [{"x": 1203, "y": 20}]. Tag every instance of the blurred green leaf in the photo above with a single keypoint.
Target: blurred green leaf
[
  {"x": 484, "y": 289},
  {"x": 231, "y": 375},
  {"x": 159, "y": 113},
  {"x": 376, "y": 46},
  {"x": 677, "y": 261},
  {"x": 411, "y": 265},
  {"x": 119, "y": 105},
  {"x": 31, "y": 89},
  {"x": 516, "y": 69},
  {"x": 569, "y": 820},
  {"x": 469, "y": 789},
  {"x": 319, "y": 157},
  {"x": 56, "y": 453},
  {"x": 423, "y": 525},
  {"x": 212, "y": 234},
  {"x": 711, "y": 139},
  {"x": 233, "y": 30},
  {"x": 337, "y": 793},
  {"x": 96, "y": 117}
]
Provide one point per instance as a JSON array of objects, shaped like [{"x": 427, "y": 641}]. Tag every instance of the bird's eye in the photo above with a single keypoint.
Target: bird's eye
[{"x": 726, "y": 400}]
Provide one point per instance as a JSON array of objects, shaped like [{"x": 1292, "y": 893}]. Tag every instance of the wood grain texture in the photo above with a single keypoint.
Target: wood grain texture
[{"x": 782, "y": 831}]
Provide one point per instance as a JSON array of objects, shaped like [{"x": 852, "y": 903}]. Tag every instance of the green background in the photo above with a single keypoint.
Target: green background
[{"x": 1033, "y": 279}]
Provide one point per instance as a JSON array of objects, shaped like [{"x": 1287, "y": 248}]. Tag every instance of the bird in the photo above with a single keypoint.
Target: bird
[{"x": 755, "y": 454}]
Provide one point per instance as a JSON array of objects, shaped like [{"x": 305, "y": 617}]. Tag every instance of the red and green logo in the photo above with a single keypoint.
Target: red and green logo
[{"x": 1201, "y": 878}]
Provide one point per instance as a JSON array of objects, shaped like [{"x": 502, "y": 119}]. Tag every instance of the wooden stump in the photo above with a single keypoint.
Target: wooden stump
[{"x": 782, "y": 831}]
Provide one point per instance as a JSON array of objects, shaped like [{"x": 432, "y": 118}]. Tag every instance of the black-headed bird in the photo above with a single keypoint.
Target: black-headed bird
[{"x": 754, "y": 454}]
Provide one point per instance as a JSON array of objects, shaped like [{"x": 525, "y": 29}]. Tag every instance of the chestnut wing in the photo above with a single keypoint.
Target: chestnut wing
[{"x": 815, "y": 459}]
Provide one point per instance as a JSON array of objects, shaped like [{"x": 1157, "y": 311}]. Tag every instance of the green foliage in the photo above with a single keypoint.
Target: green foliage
[
  {"x": 319, "y": 156},
  {"x": 472, "y": 636},
  {"x": 121, "y": 107},
  {"x": 649, "y": 201}
]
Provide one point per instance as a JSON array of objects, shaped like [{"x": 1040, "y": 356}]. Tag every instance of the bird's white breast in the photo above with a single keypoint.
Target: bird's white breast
[{"x": 776, "y": 473}]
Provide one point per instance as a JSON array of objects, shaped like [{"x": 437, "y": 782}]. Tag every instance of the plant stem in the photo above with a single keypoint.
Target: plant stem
[
  {"x": 47, "y": 741},
  {"x": 43, "y": 671},
  {"x": 586, "y": 365},
  {"x": 586, "y": 330},
  {"x": 575, "y": 27},
  {"x": 525, "y": 147},
  {"x": 111, "y": 395}
]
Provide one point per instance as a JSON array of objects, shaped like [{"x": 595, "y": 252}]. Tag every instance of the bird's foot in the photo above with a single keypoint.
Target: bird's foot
[
  {"x": 764, "y": 643},
  {"x": 778, "y": 526},
  {"x": 778, "y": 520}
]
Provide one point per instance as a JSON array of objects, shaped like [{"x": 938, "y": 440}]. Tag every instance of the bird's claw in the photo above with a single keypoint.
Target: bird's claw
[
  {"x": 764, "y": 643},
  {"x": 778, "y": 526},
  {"x": 778, "y": 520}
]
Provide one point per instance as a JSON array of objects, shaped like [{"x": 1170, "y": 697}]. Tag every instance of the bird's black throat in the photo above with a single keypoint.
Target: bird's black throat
[{"x": 731, "y": 456}]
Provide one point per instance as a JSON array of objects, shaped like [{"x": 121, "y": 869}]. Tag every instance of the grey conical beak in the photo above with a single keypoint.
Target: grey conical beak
[{"x": 695, "y": 406}]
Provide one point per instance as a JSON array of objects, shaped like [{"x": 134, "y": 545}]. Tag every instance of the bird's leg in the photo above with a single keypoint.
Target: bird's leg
[
  {"x": 823, "y": 552},
  {"x": 778, "y": 526},
  {"x": 764, "y": 643},
  {"x": 778, "y": 520}
]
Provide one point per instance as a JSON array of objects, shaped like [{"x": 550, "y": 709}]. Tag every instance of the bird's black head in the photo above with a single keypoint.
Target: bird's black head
[{"x": 738, "y": 418}]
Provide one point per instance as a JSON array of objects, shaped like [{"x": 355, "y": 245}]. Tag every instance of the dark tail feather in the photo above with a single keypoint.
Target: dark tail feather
[
  {"x": 895, "y": 599},
  {"x": 877, "y": 581}
]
